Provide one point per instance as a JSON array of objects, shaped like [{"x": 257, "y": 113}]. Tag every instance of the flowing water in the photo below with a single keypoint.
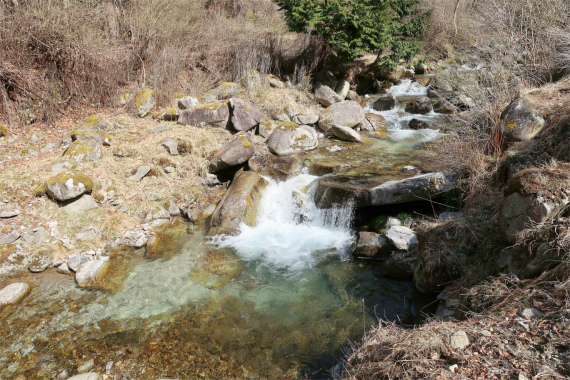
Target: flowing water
[{"x": 282, "y": 299}]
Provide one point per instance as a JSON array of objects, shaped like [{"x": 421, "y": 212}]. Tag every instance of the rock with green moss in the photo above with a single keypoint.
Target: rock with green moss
[
  {"x": 244, "y": 115},
  {"x": 123, "y": 99},
  {"x": 236, "y": 152},
  {"x": 82, "y": 150},
  {"x": 520, "y": 121},
  {"x": 346, "y": 114},
  {"x": 289, "y": 138},
  {"x": 97, "y": 137},
  {"x": 239, "y": 204},
  {"x": 3, "y": 131},
  {"x": 145, "y": 101},
  {"x": 224, "y": 91},
  {"x": 266, "y": 127},
  {"x": 169, "y": 114},
  {"x": 214, "y": 115},
  {"x": 68, "y": 184}
]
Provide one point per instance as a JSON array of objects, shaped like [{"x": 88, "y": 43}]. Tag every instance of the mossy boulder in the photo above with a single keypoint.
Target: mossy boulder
[
  {"x": 145, "y": 101},
  {"x": 3, "y": 131},
  {"x": 520, "y": 122},
  {"x": 97, "y": 137},
  {"x": 289, "y": 138},
  {"x": 214, "y": 115},
  {"x": 266, "y": 127},
  {"x": 346, "y": 114},
  {"x": 68, "y": 185},
  {"x": 239, "y": 204},
  {"x": 82, "y": 150},
  {"x": 236, "y": 152},
  {"x": 224, "y": 91}
]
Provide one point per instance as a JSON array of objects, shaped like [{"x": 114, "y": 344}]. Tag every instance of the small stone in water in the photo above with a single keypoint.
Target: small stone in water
[
  {"x": 108, "y": 367},
  {"x": 85, "y": 367}
]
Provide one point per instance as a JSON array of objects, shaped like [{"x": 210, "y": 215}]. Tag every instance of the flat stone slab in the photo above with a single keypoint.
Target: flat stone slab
[
  {"x": 84, "y": 203},
  {"x": 140, "y": 173},
  {"x": 13, "y": 293},
  {"x": 9, "y": 214},
  {"x": 9, "y": 238}
]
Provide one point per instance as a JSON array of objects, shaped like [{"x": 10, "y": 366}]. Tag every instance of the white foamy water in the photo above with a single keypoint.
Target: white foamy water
[
  {"x": 292, "y": 233},
  {"x": 407, "y": 87}
]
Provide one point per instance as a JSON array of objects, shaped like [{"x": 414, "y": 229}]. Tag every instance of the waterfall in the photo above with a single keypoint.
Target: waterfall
[{"x": 291, "y": 232}]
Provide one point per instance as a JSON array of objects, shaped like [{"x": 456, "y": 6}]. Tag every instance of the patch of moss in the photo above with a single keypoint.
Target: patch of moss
[
  {"x": 3, "y": 131},
  {"x": 76, "y": 175},
  {"x": 91, "y": 119},
  {"x": 288, "y": 125},
  {"x": 79, "y": 147},
  {"x": 246, "y": 144},
  {"x": 144, "y": 96},
  {"x": 212, "y": 107}
]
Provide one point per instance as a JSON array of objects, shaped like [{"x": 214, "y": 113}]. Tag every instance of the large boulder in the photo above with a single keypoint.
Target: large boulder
[
  {"x": 421, "y": 105},
  {"x": 236, "y": 152},
  {"x": 244, "y": 115},
  {"x": 346, "y": 114},
  {"x": 82, "y": 150},
  {"x": 519, "y": 122},
  {"x": 214, "y": 115},
  {"x": 289, "y": 138},
  {"x": 68, "y": 185},
  {"x": 145, "y": 101},
  {"x": 326, "y": 95},
  {"x": 376, "y": 191},
  {"x": 239, "y": 204},
  {"x": 224, "y": 91},
  {"x": 385, "y": 102}
]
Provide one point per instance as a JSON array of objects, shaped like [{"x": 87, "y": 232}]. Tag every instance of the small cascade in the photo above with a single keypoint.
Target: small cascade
[
  {"x": 292, "y": 233},
  {"x": 407, "y": 87}
]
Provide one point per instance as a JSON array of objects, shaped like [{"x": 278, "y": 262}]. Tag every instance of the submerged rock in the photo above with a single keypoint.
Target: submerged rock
[
  {"x": 236, "y": 152},
  {"x": 239, "y": 204},
  {"x": 89, "y": 274},
  {"x": 86, "y": 376},
  {"x": 13, "y": 293},
  {"x": 289, "y": 138}
]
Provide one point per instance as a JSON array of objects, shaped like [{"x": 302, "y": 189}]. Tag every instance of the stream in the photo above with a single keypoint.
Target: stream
[{"x": 283, "y": 299}]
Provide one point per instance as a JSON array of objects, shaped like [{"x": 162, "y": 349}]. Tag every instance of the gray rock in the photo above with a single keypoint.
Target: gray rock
[
  {"x": 244, "y": 116},
  {"x": 531, "y": 313},
  {"x": 161, "y": 213},
  {"x": 86, "y": 376},
  {"x": 449, "y": 215},
  {"x": 36, "y": 236},
  {"x": 236, "y": 152},
  {"x": 371, "y": 244},
  {"x": 352, "y": 95},
  {"x": 346, "y": 114},
  {"x": 402, "y": 237},
  {"x": 520, "y": 122},
  {"x": 282, "y": 117},
  {"x": 173, "y": 209},
  {"x": 289, "y": 138},
  {"x": 64, "y": 269},
  {"x": 152, "y": 196},
  {"x": 392, "y": 222},
  {"x": 342, "y": 88},
  {"x": 421, "y": 105},
  {"x": 459, "y": 340},
  {"x": 65, "y": 165},
  {"x": 160, "y": 128},
  {"x": 224, "y": 91},
  {"x": 417, "y": 124},
  {"x": 239, "y": 204},
  {"x": 87, "y": 233},
  {"x": 187, "y": 102},
  {"x": 345, "y": 133},
  {"x": 68, "y": 185},
  {"x": 216, "y": 115},
  {"x": 327, "y": 78},
  {"x": 88, "y": 274},
  {"x": 274, "y": 81},
  {"x": 40, "y": 264},
  {"x": 135, "y": 239},
  {"x": 84, "y": 203},
  {"x": 86, "y": 367},
  {"x": 377, "y": 121},
  {"x": 74, "y": 262},
  {"x": 142, "y": 171},
  {"x": 171, "y": 146},
  {"x": 9, "y": 238},
  {"x": 419, "y": 187},
  {"x": 266, "y": 127},
  {"x": 385, "y": 102},
  {"x": 145, "y": 101},
  {"x": 13, "y": 293},
  {"x": 326, "y": 95},
  {"x": 305, "y": 119},
  {"x": 9, "y": 214}
]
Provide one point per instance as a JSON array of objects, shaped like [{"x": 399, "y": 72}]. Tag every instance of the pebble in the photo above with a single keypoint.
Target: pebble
[
  {"x": 108, "y": 367},
  {"x": 459, "y": 340},
  {"x": 530, "y": 313},
  {"x": 86, "y": 367}
]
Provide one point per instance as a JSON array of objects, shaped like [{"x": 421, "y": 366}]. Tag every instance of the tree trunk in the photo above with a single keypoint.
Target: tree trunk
[{"x": 323, "y": 56}]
